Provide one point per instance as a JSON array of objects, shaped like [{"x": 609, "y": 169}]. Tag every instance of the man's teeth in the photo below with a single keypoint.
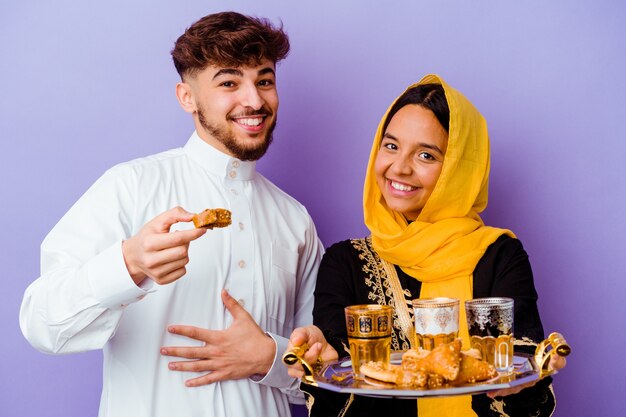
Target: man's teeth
[
  {"x": 402, "y": 187},
  {"x": 250, "y": 122}
]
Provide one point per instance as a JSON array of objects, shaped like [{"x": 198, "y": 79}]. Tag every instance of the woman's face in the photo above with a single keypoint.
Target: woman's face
[{"x": 410, "y": 159}]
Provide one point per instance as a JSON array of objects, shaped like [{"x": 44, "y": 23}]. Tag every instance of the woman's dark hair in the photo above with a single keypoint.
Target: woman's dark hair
[
  {"x": 429, "y": 96},
  {"x": 228, "y": 39}
]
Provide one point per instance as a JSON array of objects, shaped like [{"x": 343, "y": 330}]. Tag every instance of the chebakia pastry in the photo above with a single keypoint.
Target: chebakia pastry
[
  {"x": 211, "y": 218},
  {"x": 444, "y": 365}
]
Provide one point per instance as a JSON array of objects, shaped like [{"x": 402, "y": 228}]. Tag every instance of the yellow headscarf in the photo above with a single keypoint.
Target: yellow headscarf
[{"x": 443, "y": 245}]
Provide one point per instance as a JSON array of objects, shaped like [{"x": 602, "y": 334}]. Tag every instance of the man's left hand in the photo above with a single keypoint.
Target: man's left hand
[{"x": 238, "y": 352}]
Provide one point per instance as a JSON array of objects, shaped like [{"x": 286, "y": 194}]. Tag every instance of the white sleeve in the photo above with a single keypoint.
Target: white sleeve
[
  {"x": 77, "y": 302},
  {"x": 310, "y": 256}
]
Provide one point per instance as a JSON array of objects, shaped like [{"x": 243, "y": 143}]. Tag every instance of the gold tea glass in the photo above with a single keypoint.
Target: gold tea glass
[
  {"x": 490, "y": 325},
  {"x": 436, "y": 321},
  {"x": 369, "y": 334}
]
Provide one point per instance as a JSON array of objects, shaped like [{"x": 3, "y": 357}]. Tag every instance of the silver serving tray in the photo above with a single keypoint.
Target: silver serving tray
[{"x": 338, "y": 376}]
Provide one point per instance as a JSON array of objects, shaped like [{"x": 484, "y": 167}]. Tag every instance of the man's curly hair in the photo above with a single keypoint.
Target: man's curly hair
[{"x": 228, "y": 39}]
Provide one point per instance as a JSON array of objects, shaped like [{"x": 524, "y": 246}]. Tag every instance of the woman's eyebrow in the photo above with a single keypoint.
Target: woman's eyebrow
[
  {"x": 431, "y": 146},
  {"x": 421, "y": 144}
]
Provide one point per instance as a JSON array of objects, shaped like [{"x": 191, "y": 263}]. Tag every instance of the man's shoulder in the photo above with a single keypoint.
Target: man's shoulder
[
  {"x": 280, "y": 196},
  {"x": 149, "y": 163},
  {"x": 148, "y": 169},
  {"x": 154, "y": 159}
]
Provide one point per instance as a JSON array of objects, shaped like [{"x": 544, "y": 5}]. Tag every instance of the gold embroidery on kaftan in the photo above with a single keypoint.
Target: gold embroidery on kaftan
[{"x": 380, "y": 291}]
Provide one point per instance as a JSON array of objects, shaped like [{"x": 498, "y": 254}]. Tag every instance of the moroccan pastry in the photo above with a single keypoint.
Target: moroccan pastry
[
  {"x": 414, "y": 360},
  {"x": 414, "y": 379},
  {"x": 394, "y": 374},
  {"x": 211, "y": 218},
  {"x": 444, "y": 360},
  {"x": 473, "y": 370},
  {"x": 414, "y": 356},
  {"x": 435, "y": 381},
  {"x": 381, "y": 372},
  {"x": 473, "y": 352},
  {"x": 445, "y": 365}
]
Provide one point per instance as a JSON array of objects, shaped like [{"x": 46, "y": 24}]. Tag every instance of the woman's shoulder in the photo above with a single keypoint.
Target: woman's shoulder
[
  {"x": 504, "y": 245},
  {"x": 348, "y": 252},
  {"x": 505, "y": 250},
  {"x": 502, "y": 268},
  {"x": 348, "y": 246}
]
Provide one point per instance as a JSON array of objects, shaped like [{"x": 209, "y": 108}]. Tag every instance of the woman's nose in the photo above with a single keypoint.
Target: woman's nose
[{"x": 401, "y": 166}]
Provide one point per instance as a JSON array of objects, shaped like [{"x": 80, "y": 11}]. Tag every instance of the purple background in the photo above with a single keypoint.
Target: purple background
[{"x": 86, "y": 85}]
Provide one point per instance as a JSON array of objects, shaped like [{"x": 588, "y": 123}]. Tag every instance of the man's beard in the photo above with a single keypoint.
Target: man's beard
[{"x": 229, "y": 140}]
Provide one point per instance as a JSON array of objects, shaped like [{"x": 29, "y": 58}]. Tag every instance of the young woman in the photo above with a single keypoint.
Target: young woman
[{"x": 425, "y": 185}]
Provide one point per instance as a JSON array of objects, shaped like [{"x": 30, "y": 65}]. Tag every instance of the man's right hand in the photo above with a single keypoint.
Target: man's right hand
[{"x": 157, "y": 254}]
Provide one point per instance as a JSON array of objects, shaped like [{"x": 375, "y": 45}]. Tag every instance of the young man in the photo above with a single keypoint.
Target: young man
[{"x": 174, "y": 307}]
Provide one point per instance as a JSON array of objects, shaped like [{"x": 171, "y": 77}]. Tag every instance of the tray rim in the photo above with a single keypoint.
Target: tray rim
[{"x": 530, "y": 374}]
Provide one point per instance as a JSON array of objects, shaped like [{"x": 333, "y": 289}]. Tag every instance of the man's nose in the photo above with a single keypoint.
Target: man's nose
[{"x": 250, "y": 97}]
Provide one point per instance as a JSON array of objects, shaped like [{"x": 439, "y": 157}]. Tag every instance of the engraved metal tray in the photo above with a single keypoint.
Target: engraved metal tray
[{"x": 338, "y": 376}]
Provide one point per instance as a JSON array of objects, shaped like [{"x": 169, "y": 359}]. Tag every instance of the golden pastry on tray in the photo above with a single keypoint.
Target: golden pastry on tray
[{"x": 444, "y": 365}]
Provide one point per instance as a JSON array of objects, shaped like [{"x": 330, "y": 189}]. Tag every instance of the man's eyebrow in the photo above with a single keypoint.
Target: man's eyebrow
[
  {"x": 228, "y": 71},
  {"x": 267, "y": 70},
  {"x": 239, "y": 73}
]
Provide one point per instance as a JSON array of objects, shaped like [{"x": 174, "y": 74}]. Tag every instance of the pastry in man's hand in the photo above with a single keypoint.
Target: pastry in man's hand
[{"x": 211, "y": 218}]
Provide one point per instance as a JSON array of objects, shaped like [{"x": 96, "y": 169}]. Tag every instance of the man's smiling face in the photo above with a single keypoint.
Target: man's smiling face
[{"x": 235, "y": 108}]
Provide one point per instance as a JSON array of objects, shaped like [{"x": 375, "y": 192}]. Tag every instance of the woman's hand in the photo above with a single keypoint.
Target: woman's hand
[
  {"x": 319, "y": 348},
  {"x": 557, "y": 363}
]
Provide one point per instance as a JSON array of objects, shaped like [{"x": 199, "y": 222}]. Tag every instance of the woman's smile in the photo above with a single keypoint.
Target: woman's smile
[{"x": 400, "y": 187}]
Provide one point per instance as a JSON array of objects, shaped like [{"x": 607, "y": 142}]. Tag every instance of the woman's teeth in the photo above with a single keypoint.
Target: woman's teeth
[{"x": 401, "y": 187}]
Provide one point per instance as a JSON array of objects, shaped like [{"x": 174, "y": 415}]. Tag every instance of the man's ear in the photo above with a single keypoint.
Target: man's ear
[{"x": 185, "y": 97}]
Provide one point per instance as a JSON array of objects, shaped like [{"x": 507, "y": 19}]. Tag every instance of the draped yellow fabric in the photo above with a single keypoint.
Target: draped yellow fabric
[{"x": 443, "y": 245}]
